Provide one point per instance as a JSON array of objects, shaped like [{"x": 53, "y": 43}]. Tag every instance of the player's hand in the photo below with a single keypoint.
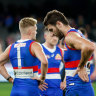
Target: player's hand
[
  {"x": 82, "y": 73},
  {"x": 63, "y": 85},
  {"x": 11, "y": 80},
  {"x": 39, "y": 79},
  {"x": 42, "y": 85},
  {"x": 93, "y": 76}
]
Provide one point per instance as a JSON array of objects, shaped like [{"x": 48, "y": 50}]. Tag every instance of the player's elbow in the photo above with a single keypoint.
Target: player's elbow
[{"x": 90, "y": 48}]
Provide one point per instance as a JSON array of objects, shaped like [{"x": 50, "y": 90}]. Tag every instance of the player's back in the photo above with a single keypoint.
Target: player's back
[
  {"x": 22, "y": 60},
  {"x": 24, "y": 65}
]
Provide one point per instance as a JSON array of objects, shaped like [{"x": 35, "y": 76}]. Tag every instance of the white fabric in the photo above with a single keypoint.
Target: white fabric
[
  {"x": 53, "y": 76},
  {"x": 24, "y": 73},
  {"x": 71, "y": 72},
  {"x": 50, "y": 50}
]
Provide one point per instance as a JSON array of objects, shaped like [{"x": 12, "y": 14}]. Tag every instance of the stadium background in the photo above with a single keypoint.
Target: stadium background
[{"x": 81, "y": 13}]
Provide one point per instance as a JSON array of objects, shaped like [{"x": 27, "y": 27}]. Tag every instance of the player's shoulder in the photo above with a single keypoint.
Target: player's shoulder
[
  {"x": 36, "y": 44},
  {"x": 72, "y": 33}
]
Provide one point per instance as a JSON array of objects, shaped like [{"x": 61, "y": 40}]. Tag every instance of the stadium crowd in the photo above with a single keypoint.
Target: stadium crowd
[{"x": 10, "y": 16}]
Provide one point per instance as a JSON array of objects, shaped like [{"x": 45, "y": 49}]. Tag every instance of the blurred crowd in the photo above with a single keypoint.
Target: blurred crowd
[{"x": 9, "y": 19}]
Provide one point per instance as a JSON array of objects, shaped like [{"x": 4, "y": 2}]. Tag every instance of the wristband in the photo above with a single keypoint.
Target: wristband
[{"x": 9, "y": 78}]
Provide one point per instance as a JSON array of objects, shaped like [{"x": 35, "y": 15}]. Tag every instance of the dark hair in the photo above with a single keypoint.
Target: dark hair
[
  {"x": 83, "y": 30},
  {"x": 53, "y": 16},
  {"x": 45, "y": 30}
]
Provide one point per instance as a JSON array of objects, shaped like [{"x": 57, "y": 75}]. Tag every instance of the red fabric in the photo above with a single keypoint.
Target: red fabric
[
  {"x": 35, "y": 68},
  {"x": 50, "y": 70},
  {"x": 72, "y": 64},
  {"x": 30, "y": 48}
]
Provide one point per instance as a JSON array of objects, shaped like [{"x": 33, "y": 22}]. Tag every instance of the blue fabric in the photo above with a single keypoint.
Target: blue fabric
[
  {"x": 75, "y": 86},
  {"x": 25, "y": 87},
  {"x": 72, "y": 55},
  {"x": 80, "y": 90},
  {"x": 76, "y": 80},
  {"x": 27, "y": 59},
  {"x": 91, "y": 68},
  {"x": 54, "y": 60},
  {"x": 52, "y": 91}
]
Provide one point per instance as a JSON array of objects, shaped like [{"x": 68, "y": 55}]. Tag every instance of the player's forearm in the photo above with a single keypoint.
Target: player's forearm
[
  {"x": 4, "y": 72},
  {"x": 64, "y": 79},
  {"x": 44, "y": 68},
  {"x": 85, "y": 55}
]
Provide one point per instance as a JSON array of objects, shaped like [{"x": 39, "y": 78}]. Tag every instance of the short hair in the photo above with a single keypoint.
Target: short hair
[
  {"x": 26, "y": 22},
  {"x": 83, "y": 30},
  {"x": 53, "y": 16}
]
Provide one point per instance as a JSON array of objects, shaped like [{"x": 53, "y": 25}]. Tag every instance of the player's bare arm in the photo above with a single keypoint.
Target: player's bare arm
[
  {"x": 93, "y": 75},
  {"x": 38, "y": 52},
  {"x": 64, "y": 83},
  {"x": 74, "y": 40},
  {"x": 4, "y": 72},
  {"x": 3, "y": 59},
  {"x": 5, "y": 55}
]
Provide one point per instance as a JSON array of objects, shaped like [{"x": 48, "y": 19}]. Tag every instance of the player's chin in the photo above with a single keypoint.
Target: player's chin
[
  {"x": 34, "y": 38},
  {"x": 54, "y": 44}
]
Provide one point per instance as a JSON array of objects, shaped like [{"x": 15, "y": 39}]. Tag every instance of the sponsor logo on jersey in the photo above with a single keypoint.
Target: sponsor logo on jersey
[
  {"x": 52, "y": 55},
  {"x": 20, "y": 45},
  {"x": 58, "y": 57}
]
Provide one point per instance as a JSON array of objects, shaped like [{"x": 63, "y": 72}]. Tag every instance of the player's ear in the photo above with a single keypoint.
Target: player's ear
[{"x": 59, "y": 24}]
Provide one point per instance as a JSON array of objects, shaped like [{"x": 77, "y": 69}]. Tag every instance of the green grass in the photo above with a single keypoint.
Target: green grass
[
  {"x": 5, "y": 88},
  {"x": 94, "y": 86}
]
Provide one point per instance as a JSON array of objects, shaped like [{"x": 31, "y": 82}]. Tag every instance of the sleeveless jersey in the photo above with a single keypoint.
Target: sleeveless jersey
[
  {"x": 72, "y": 58},
  {"x": 53, "y": 77},
  {"x": 23, "y": 62}
]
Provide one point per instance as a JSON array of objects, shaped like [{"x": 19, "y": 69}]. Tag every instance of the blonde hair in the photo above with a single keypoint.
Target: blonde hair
[{"x": 27, "y": 22}]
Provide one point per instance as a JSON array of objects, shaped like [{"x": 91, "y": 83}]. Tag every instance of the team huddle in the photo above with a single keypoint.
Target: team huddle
[{"x": 37, "y": 66}]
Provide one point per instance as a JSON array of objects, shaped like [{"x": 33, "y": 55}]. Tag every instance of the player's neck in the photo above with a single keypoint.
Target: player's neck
[
  {"x": 65, "y": 29},
  {"x": 49, "y": 45},
  {"x": 26, "y": 37}
]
